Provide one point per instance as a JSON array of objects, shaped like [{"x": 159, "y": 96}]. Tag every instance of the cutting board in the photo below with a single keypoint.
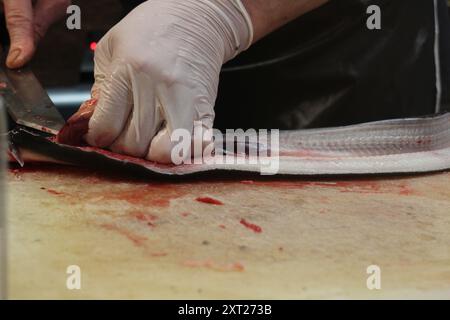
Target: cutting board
[{"x": 234, "y": 238}]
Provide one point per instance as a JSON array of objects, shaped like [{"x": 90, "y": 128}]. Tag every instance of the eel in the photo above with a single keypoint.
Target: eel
[{"x": 410, "y": 145}]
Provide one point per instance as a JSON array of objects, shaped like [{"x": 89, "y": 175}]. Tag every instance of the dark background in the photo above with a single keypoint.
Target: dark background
[
  {"x": 60, "y": 54},
  {"x": 63, "y": 64}
]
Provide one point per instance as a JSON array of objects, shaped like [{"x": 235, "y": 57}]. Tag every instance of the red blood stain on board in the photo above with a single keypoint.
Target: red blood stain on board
[
  {"x": 136, "y": 239},
  {"x": 154, "y": 195},
  {"x": 367, "y": 187},
  {"x": 209, "y": 200},
  {"x": 350, "y": 186},
  {"x": 159, "y": 254},
  {"x": 222, "y": 226},
  {"x": 324, "y": 200},
  {"x": 405, "y": 190},
  {"x": 57, "y": 193},
  {"x": 251, "y": 226},
  {"x": 209, "y": 264},
  {"x": 146, "y": 218},
  {"x": 131, "y": 190},
  {"x": 161, "y": 194},
  {"x": 185, "y": 214},
  {"x": 371, "y": 187},
  {"x": 51, "y": 191},
  {"x": 161, "y": 202},
  {"x": 38, "y": 167}
]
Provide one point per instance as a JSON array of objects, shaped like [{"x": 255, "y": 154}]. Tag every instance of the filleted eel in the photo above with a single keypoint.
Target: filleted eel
[{"x": 390, "y": 146}]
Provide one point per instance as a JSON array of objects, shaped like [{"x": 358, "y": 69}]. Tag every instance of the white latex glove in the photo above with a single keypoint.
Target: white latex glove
[{"x": 158, "y": 70}]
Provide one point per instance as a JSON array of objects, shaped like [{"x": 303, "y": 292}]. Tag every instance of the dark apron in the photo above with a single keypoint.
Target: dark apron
[{"x": 328, "y": 69}]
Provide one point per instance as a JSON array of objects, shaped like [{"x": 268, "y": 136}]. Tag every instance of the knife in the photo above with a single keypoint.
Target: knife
[{"x": 27, "y": 102}]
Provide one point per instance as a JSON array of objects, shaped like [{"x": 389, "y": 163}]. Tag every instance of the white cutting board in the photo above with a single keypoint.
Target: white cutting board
[{"x": 298, "y": 239}]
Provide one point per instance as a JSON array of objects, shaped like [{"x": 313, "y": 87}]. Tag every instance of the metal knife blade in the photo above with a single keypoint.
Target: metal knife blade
[
  {"x": 15, "y": 153},
  {"x": 27, "y": 102}
]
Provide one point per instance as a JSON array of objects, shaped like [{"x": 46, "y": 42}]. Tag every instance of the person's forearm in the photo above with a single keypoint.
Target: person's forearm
[{"x": 269, "y": 15}]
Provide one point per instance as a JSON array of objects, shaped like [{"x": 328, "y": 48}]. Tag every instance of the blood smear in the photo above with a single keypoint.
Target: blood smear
[
  {"x": 136, "y": 239},
  {"x": 159, "y": 254},
  {"x": 209, "y": 200},
  {"x": 51, "y": 191},
  {"x": 230, "y": 267},
  {"x": 144, "y": 216},
  {"x": 251, "y": 226}
]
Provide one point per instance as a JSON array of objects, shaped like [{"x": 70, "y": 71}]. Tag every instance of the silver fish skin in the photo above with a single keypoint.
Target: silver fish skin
[{"x": 411, "y": 145}]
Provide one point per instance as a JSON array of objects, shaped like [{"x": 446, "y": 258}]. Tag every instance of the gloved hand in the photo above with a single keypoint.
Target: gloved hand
[
  {"x": 27, "y": 24},
  {"x": 158, "y": 70}
]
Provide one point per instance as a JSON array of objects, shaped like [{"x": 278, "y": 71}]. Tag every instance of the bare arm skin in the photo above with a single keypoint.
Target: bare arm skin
[
  {"x": 27, "y": 24},
  {"x": 269, "y": 15}
]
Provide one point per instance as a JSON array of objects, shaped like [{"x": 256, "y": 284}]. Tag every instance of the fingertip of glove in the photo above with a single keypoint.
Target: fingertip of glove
[{"x": 161, "y": 148}]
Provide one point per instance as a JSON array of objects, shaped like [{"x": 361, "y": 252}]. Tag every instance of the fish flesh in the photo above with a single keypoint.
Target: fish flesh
[
  {"x": 409, "y": 145},
  {"x": 78, "y": 124}
]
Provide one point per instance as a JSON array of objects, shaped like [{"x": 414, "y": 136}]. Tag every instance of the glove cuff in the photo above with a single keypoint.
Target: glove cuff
[
  {"x": 237, "y": 24},
  {"x": 249, "y": 33}
]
